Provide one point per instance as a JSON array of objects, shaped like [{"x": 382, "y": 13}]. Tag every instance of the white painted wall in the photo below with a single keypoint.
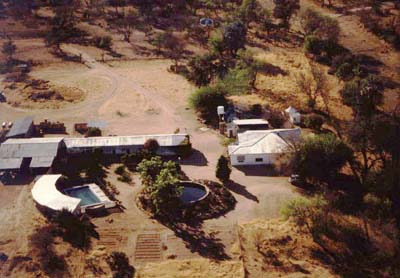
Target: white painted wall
[{"x": 250, "y": 159}]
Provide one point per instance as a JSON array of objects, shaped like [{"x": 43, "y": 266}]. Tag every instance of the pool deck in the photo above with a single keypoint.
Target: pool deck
[{"x": 96, "y": 190}]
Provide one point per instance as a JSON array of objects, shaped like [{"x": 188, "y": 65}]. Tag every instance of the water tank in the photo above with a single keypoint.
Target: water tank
[{"x": 220, "y": 110}]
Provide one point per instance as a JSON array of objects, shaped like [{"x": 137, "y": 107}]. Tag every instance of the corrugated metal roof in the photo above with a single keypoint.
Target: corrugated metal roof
[
  {"x": 33, "y": 147},
  {"x": 20, "y": 127},
  {"x": 42, "y": 162},
  {"x": 269, "y": 143},
  {"x": 288, "y": 134},
  {"x": 165, "y": 140},
  {"x": 250, "y": 122},
  {"x": 10, "y": 163}
]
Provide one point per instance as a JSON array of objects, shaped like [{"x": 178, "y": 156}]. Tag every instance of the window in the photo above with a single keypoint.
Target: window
[
  {"x": 259, "y": 159},
  {"x": 240, "y": 158}
]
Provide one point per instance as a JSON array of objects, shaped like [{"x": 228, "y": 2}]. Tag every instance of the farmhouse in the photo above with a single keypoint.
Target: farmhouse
[
  {"x": 170, "y": 144},
  {"x": 31, "y": 154},
  {"x": 262, "y": 147}
]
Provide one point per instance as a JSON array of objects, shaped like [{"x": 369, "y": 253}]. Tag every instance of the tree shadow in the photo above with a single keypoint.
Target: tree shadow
[
  {"x": 270, "y": 69},
  {"x": 196, "y": 158},
  {"x": 258, "y": 170},
  {"x": 197, "y": 240},
  {"x": 10, "y": 179},
  {"x": 241, "y": 190}
]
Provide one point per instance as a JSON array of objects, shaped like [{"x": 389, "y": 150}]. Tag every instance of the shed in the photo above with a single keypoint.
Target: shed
[
  {"x": 22, "y": 128},
  {"x": 294, "y": 115},
  {"x": 36, "y": 152},
  {"x": 238, "y": 126}
]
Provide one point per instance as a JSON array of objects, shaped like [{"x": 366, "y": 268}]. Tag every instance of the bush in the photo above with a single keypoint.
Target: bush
[
  {"x": 93, "y": 132},
  {"x": 223, "y": 170},
  {"x": 104, "y": 42},
  {"x": 119, "y": 264},
  {"x": 314, "y": 121},
  {"x": 345, "y": 71},
  {"x": 306, "y": 212},
  {"x": 313, "y": 45},
  {"x": 120, "y": 170},
  {"x": 206, "y": 100}
]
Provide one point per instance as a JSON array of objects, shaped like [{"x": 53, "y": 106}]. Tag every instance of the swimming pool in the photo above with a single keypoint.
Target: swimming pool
[{"x": 85, "y": 194}]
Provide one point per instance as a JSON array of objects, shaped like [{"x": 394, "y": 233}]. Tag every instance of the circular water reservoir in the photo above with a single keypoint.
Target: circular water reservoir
[{"x": 193, "y": 192}]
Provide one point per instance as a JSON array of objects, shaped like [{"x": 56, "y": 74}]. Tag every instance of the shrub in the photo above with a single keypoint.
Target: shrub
[
  {"x": 93, "y": 132},
  {"x": 314, "y": 121},
  {"x": 306, "y": 212},
  {"x": 223, "y": 170},
  {"x": 104, "y": 42},
  {"x": 120, "y": 170},
  {"x": 345, "y": 71},
  {"x": 206, "y": 100},
  {"x": 313, "y": 44},
  {"x": 119, "y": 264}
]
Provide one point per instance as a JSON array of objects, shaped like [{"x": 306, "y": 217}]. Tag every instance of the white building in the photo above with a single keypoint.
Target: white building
[
  {"x": 262, "y": 147},
  {"x": 169, "y": 144},
  {"x": 294, "y": 115},
  {"x": 239, "y": 126}
]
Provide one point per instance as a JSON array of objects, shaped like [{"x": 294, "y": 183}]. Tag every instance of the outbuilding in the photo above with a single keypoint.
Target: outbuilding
[
  {"x": 238, "y": 126},
  {"x": 22, "y": 128},
  {"x": 30, "y": 154}
]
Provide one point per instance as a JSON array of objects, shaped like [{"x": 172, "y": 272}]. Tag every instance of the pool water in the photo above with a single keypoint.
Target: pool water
[
  {"x": 191, "y": 194},
  {"x": 85, "y": 194}
]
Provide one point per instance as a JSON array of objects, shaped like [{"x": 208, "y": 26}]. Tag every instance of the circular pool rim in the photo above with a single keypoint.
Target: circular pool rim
[{"x": 198, "y": 185}]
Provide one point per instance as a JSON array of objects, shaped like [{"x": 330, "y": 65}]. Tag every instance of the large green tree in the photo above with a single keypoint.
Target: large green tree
[{"x": 321, "y": 157}]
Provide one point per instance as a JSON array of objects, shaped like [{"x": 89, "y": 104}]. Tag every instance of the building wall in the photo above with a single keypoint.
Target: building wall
[{"x": 254, "y": 159}]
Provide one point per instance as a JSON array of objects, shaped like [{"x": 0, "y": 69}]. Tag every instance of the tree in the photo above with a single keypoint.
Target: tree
[
  {"x": 223, "y": 170},
  {"x": 119, "y": 264},
  {"x": 206, "y": 100},
  {"x": 321, "y": 157},
  {"x": 285, "y": 9},
  {"x": 234, "y": 37},
  {"x": 93, "y": 132},
  {"x": 201, "y": 69},
  {"x": 62, "y": 25},
  {"x": 363, "y": 95},
  {"x": 149, "y": 169},
  {"x": 323, "y": 27},
  {"x": 314, "y": 121},
  {"x": 9, "y": 49},
  {"x": 249, "y": 11},
  {"x": 151, "y": 146},
  {"x": 77, "y": 230},
  {"x": 313, "y": 86},
  {"x": 166, "y": 191},
  {"x": 127, "y": 23}
]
